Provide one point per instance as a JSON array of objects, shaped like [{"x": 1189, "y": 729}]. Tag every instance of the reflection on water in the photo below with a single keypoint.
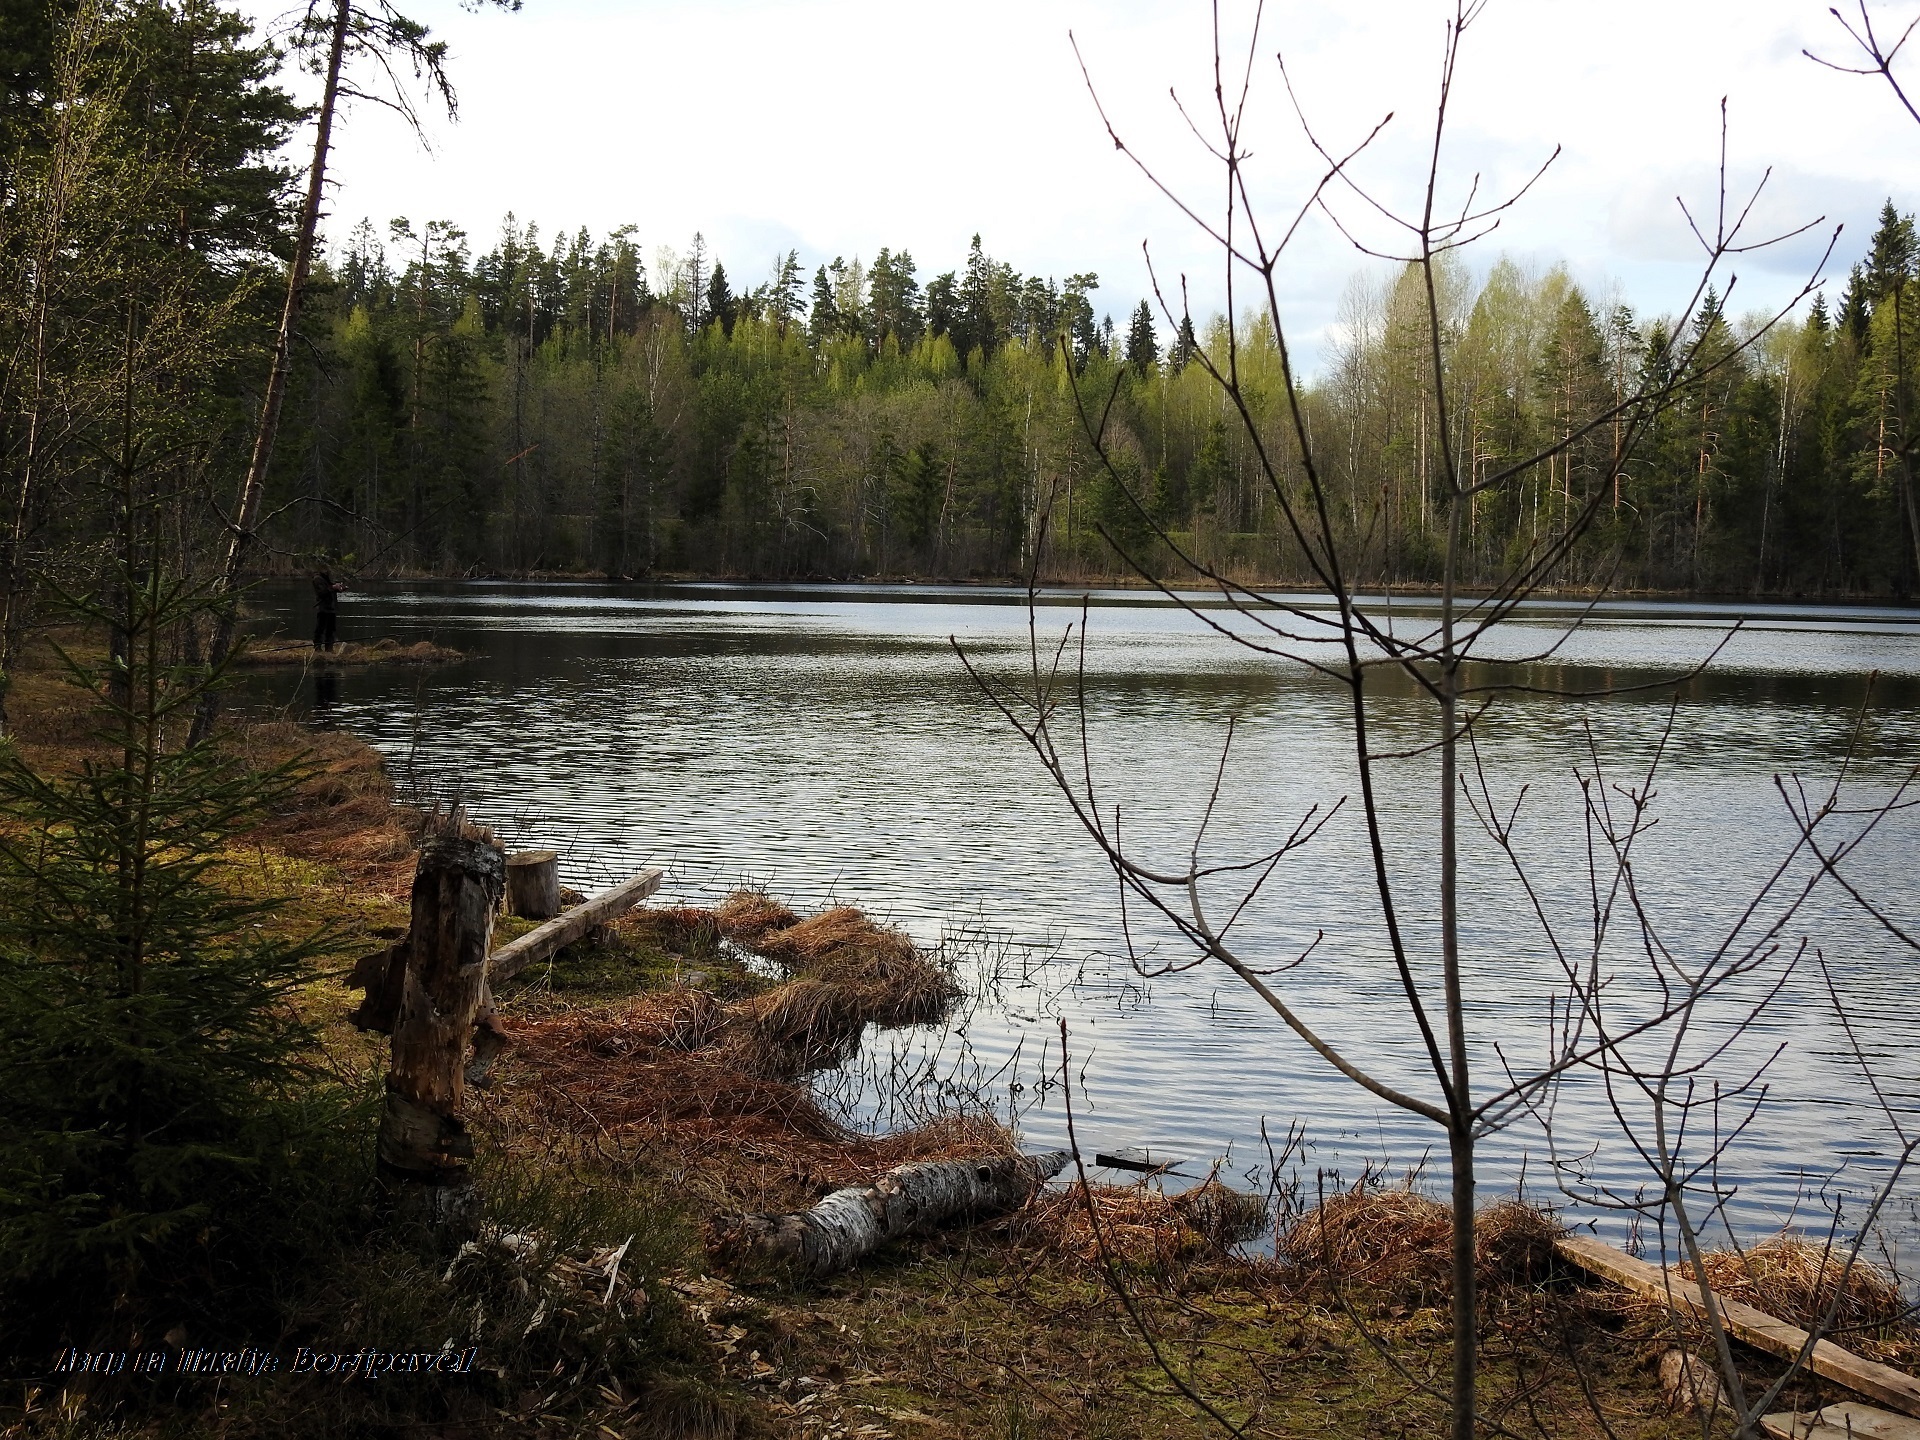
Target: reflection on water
[{"x": 828, "y": 744}]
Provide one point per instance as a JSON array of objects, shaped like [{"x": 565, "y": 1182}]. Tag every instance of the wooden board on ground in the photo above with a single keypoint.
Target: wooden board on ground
[
  {"x": 1755, "y": 1327},
  {"x": 1844, "y": 1421},
  {"x": 510, "y": 959}
]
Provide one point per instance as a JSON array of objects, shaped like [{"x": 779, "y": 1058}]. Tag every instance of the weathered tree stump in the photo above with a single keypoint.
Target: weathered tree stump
[
  {"x": 852, "y": 1223},
  {"x": 423, "y": 1145},
  {"x": 533, "y": 884}
]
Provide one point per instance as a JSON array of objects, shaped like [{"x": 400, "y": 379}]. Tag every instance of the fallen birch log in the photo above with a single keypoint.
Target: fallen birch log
[
  {"x": 536, "y": 945},
  {"x": 1755, "y": 1327},
  {"x": 852, "y": 1223}
]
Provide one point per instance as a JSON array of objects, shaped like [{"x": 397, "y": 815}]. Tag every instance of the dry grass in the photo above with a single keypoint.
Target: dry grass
[
  {"x": 342, "y": 813},
  {"x": 1395, "y": 1240},
  {"x": 1140, "y": 1225},
  {"x": 679, "y": 930},
  {"x": 801, "y": 1026},
  {"x": 886, "y": 979},
  {"x": 1796, "y": 1279},
  {"x": 666, "y": 1073},
  {"x": 745, "y": 916},
  {"x": 298, "y": 653}
]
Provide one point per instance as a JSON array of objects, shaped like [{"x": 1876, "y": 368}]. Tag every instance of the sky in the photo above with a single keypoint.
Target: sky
[{"x": 835, "y": 127}]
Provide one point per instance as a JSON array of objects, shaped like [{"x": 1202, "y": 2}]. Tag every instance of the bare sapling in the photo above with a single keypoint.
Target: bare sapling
[
  {"x": 1684, "y": 1094},
  {"x": 1372, "y": 652}
]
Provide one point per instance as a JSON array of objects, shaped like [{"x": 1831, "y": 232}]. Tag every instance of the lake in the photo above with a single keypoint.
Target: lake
[{"x": 826, "y": 743}]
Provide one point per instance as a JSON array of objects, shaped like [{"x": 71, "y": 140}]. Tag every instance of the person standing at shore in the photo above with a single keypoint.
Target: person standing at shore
[{"x": 326, "y": 614}]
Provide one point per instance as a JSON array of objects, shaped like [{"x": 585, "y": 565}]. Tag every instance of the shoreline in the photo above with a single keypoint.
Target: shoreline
[
  {"x": 1129, "y": 583},
  {"x": 1002, "y": 1328}
]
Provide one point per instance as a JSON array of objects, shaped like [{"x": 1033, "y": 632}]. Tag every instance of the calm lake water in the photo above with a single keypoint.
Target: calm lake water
[{"x": 826, "y": 742}]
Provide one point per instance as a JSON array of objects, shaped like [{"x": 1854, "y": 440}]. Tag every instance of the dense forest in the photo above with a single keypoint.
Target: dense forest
[
  {"x": 576, "y": 404},
  {"x": 569, "y": 406}
]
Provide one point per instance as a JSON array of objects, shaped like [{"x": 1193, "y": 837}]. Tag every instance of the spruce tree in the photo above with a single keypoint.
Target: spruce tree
[
  {"x": 1143, "y": 349},
  {"x": 1184, "y": 344},
  {"x": 720, "y": 301},
  {"x": 824, "y": 321}
]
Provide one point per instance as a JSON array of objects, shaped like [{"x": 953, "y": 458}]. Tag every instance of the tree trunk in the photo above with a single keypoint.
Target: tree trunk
[
  {"x": 254, "y": 486},
  {"x": 852, "y": 1223},
  {"x": 424, "y": 1145},
  {"x": 533, "y": 884}
]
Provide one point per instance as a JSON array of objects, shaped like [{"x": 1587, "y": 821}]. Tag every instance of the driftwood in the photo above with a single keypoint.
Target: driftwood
[
  {"x": 1755, "y": 1327},
  {"x": 423, "y": 1145},
  {"x": 850, "y": 1224},
  {"x": 533, "y": 884},
  {"x": 1845, "y": 1421},
  {"x": 509, "y": 960}
]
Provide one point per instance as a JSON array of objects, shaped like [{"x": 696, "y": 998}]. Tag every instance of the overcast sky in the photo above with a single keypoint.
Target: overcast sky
[{"x": 837, "y": 126}]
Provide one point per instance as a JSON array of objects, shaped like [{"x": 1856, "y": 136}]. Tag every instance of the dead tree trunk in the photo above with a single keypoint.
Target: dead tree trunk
[
  {"x": 424, "y": 1146},
  {"x": 246, "y": 514},
  {"x": 533, "y": 884},
  {"x": 852, "y": 1223}
]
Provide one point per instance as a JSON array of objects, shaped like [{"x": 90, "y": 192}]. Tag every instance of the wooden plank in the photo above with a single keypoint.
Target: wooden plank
[
  {"x": 1756, "y": 1327},
  {"x": 1785, "y": 1425},
  {"x": 510, "y": 959},
  {"x": 1843, "y": 1421}
]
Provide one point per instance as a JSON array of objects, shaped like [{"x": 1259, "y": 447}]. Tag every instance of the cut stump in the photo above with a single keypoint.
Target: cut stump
[{"x": 533, "y": 884}]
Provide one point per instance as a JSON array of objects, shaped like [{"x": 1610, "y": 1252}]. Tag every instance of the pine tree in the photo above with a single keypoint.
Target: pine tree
[
  {"x": 1076, "y": 317},
  {"x": 1856, "y": 306},
  {"x": 943, "y": 305},
  {"x": 783, "y": 291}
]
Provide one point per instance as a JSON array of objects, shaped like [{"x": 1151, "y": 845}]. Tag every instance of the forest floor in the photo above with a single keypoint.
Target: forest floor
[{"x": 651, "y": 1083}]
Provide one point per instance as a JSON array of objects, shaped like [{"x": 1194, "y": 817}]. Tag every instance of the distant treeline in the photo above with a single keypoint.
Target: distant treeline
[
  {"x": 572, "y": 403},
  {"x": 571, "y": 407}
]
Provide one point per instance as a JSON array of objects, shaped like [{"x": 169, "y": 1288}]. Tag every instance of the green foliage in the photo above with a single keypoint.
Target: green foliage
[
  {"x": 154, "y": 1101},
  {"x": 773, "y": 447}
]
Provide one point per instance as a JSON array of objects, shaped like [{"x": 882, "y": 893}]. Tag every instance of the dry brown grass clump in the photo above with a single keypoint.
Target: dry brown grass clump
[
  {"x": 638, "y": 1077},
  {"x": 676, "y": 929},
  {"x": 1513, "y": 1243},
  {"x": 636, "y": 1071},
  {"x": 889, "y": 981},
  {"x": 747, "y": 915},
  {"x": 1395, "y": 1240},
  {"x": 802, "y": 1026},
  {"x": 1141, "y": 1225},
  {"x": 663, "y": 1064},
  {"x": 385, "y": 651},
  {"x": 1796, "y": 1279}
]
